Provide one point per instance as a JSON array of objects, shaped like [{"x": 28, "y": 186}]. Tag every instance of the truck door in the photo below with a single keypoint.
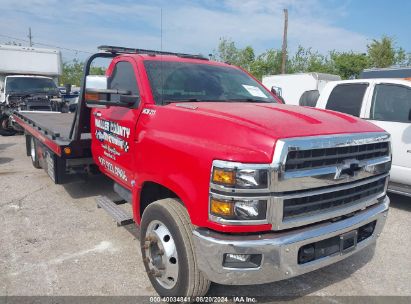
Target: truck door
[
  {"x": 113, "y": 128},
  {"x": 390, "y": 109}
]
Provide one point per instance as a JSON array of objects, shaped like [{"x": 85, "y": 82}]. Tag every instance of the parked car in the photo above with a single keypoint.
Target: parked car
[{"x": 387, "y": 104}]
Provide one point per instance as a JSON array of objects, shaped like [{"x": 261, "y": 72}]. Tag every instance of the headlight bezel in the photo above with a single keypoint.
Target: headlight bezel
[
  {"x": 263, "y": 203},
  {"x": 264, "y": 175},
  {"x": 238, "y": 194}
]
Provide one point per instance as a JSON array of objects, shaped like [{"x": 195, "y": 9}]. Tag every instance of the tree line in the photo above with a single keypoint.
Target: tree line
[{"x": 380, "y": 53}]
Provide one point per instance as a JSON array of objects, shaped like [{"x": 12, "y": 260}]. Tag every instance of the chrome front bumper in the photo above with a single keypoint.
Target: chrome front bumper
[{"x": 279, "y": 249}]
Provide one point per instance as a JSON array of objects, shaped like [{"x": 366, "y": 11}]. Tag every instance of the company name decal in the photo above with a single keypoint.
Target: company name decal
[
  {"x": 112, "y": 127},
  {"x": 112, "y": 139}
]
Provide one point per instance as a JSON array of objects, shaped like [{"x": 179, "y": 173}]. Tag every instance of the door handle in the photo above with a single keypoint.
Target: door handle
[{"x": 98, "y": 114}]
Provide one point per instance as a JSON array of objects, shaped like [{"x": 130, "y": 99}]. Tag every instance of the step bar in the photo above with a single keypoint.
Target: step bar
[{"x": 121, "y": 216}]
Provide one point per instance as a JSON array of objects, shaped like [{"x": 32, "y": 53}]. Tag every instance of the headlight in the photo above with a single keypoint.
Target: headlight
[
  {"x": 242, "y": 178},
  {"x": 244, "y": 209}
]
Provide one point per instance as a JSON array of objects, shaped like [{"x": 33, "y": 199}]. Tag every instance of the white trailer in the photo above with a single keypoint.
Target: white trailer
[{"x": 292, "y": 86}]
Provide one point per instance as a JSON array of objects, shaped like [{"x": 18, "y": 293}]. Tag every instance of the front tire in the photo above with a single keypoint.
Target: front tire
[{"x": 168, "y": 251}]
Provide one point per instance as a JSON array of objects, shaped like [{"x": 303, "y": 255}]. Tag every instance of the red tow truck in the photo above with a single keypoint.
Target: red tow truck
[{"x": 227, "y": 184}]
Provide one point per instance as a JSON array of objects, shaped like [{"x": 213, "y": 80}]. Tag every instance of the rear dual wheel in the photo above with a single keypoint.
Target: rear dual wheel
[
  {"x": 34, "y": 154},
  {"x": 168, "y": 251}
]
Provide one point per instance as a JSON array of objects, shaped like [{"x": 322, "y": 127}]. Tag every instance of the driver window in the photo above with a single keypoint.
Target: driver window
[{"x": 123, "y": 78}]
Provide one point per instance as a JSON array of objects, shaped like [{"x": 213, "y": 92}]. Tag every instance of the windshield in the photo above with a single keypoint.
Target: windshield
[
  {"x": 27, "y": 85},
  {"x": 183, "y": 81}
]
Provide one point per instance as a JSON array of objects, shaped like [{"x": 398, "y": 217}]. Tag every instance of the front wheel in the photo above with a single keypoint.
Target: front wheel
[{"x": 168, "y": 251}]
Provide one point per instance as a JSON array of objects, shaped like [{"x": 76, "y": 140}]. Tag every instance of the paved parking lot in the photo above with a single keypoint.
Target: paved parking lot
[{"x": 54, "y": 241}]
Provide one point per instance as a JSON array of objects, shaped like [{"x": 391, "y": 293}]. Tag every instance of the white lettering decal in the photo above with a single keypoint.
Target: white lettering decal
[
  {"x": 113, "y": 168},
  {"x": 112, "y": 127}
]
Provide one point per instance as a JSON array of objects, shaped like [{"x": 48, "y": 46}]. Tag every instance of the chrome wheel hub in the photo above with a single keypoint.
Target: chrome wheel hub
[
  {"x": 161, "y": 254},
  {"x": 32, "y": 150}
]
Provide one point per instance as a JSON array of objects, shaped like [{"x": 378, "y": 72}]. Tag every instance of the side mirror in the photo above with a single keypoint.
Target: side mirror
[
  {"x": 99, "y": 96},
  {"x": 96, "y": 82},
  {"x": 103, "y": 98}
]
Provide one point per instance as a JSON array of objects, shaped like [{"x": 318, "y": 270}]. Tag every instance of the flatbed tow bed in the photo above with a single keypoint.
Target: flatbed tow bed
[
  {"x": 54, "y": 124},
  {"x": 61, "y": 142},
  {"x": 54, "y": 136}
]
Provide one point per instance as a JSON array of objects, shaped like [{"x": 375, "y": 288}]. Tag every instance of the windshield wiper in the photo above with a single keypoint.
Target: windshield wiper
[
  {"x": 183, "y": 100},
  {"x": 215, "y": 100},
  {"x": 247, "y": 100}
]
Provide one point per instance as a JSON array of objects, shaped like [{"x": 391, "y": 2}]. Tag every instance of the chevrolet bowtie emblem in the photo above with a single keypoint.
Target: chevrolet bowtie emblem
[{"x": 349, "y": 168}]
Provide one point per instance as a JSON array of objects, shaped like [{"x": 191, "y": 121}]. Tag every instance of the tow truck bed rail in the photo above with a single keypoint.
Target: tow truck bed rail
[{"x": 53, "y": 131}]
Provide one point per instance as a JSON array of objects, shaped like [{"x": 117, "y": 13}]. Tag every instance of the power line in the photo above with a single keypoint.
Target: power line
[{"x": 48, "y": 45}]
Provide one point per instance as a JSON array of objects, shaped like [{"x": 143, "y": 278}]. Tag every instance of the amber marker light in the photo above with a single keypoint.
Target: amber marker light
[
  {"x": 224, "y": 177},
  {"x": 91, "y": 96},
  {"x": 67, "y": 150},
  {"x": 221, "y": 208}
]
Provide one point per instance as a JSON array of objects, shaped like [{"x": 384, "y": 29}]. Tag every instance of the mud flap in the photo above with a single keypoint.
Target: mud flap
[{"x": 55, "y": 167}]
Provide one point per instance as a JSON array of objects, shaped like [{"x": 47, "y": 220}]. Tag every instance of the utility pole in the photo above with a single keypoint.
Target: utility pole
[
  {"x": 30, "y": 37},
  {"x": 284, "y": 51}
]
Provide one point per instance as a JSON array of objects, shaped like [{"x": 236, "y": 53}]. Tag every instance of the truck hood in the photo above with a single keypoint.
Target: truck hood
[
  {"x": 283, "y": 121},
  {"x": 248, "y": 131}
]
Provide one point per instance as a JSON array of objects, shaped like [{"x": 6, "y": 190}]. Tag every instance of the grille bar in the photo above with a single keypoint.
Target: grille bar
[
  {"x": 313, "y": 158},
  {"x": 307, "y": 205}
]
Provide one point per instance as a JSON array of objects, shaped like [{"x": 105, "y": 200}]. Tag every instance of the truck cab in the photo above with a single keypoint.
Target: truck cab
[
  {"x": 227, "y": 184},
  {"x": 385, "y": 102}
]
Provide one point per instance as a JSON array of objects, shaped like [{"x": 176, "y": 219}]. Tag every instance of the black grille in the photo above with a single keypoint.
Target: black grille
[
  {"x": 307, "y": 159},
  {"x": 308, "y": 205}
]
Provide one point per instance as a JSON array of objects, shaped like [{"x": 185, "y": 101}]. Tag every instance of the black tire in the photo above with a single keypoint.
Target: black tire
[
  {"x": 7, "y": 131},
  {"x": 33, "y": 153},
  {"x": 190, "y": 282}
]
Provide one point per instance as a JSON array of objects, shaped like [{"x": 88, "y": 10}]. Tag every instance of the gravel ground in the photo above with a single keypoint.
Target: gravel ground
[{"x": 54, "y": 241}]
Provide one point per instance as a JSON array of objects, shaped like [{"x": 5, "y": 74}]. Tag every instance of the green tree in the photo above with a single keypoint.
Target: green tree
[
  {"x": 246, "y": 57},
  {"x": 73, "y": 72},
  {"x": 307, "y": 60},
  {"x": 267, "y": 63},
  {"x": 349, "y": 64},
  {"x": 381, "y": 52},
  {"x": 227, "y": 51}
]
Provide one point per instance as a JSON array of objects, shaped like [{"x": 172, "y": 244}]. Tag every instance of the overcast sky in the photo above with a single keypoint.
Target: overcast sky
[{"x": 196, "y": 26}]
